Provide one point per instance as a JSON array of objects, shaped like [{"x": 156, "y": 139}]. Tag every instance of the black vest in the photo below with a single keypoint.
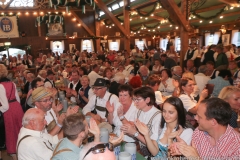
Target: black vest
[
  {"x": 78, "y": 86},
  {"x": 53, "y": 84},
  {"x": 190, "y": 54},
  {"x": 214, "y": 74}
]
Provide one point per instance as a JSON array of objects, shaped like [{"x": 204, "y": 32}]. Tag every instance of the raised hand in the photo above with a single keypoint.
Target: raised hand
[
  {"x": 116, "y": 141},
  {"x": 187, "y": 151},
  {"x": 72, "y": 110},
  {"x": 173, "y": 149},
  {"x": 176, "y": 133},
  {"x": 204, "y": 93},
  {"x": 61, "y": 118},
  {"x": 74, "y": 93},
  {"x": 109, "y": 107},
  {"x": 175, "y": 83},
  {"x": 58, "y": 107},
  {"x": 142, "y": 128},
  {"x": 94, "y": 129},
  {"x": 81, "y": 93},
  {"x": 128, "y": 129}
]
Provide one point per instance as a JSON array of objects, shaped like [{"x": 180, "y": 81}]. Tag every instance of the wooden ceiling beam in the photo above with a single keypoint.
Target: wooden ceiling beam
[
  {"x": 175, "y": 13},
  {"x": 83, "y": 24},
  {"x": 109, "y": 14}
]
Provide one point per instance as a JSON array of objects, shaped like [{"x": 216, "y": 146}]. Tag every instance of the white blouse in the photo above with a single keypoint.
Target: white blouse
[
  {"x": 169, "y": 89},
  {"x": 129, "y": 115}
]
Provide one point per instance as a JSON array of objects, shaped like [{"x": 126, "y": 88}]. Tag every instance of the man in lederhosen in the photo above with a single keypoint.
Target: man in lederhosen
[{"x": 96, "y": 107}]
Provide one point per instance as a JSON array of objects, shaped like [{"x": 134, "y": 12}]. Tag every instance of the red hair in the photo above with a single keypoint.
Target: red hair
[{"x": 135, "y": 82}]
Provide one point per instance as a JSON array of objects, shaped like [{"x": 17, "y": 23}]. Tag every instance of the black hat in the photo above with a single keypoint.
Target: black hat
[
  {"x": 100, "y": 82},
  {"x": 4, "y": 55},
  {"x": 49, "y": 72}
]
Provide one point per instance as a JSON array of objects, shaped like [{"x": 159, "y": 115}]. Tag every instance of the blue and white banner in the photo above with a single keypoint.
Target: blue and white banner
[{"x": 8, "y": 27}]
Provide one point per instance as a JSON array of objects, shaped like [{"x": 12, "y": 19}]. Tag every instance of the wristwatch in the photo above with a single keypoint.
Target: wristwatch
[
  {"x": 121, "y": 118},
  {"x": 136, "y": 134}
]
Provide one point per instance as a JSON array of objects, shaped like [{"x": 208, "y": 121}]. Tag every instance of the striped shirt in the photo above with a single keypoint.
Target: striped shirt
[{"x": 227, "y": 147}]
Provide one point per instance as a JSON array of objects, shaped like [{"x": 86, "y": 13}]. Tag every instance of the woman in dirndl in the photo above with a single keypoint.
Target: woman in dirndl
[{"x": 12, "y": 111}]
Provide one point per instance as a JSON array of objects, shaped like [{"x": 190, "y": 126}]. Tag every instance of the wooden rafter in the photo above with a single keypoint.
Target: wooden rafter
[
  {"x": 83, "y": 24},
  {"x": 176, "y": 13},
  {"x": 7, "y": 5},
  {"x": 109, "y": 14}
]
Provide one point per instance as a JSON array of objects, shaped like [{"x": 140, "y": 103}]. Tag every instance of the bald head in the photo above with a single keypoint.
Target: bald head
[
  {"x": 33, "y": 119},
  {"x": 143, "y": 70},
  {"x": 107, "y": 155},
  {"x": 177, "y": 70}
]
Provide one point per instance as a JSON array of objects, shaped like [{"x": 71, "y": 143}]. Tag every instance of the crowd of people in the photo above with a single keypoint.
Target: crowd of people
[{"x": 143, "y": 97}]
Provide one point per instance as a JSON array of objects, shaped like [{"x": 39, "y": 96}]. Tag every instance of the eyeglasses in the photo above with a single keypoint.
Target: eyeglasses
[
  {"x": 137, "y": 99},
  {"x": 100, "y": 148},
  {"x": 47, "y": 100},
  {"x": 96, "y": 88}
]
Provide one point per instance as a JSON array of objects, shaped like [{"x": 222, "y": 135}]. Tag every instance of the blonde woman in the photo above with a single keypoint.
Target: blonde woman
[
  {"x": 231, "y": 95},
  {"x": 11, "y": 110},
  {"x": 191, "y": 76}
]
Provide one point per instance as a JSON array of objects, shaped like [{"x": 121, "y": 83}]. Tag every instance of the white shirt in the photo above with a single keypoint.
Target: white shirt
[
  {"x": 93, "y": 76},
  {"x": 201, "y": 81},
  {"x": 39, "y": 146},
  {"x": 129, "y": 115},
  {"x": 48, "y": 84},
  {"x": 157, "y": 68},
  {"x": 73, "y": 99},
  {"x": 188, "y": 102},
  {"x": 49, "y": 118},
  {"x": 145, "y": 118},
  {"x": 169, "y": 89},
  {"x": 100, "y": 102},
  {"x": 186, "y": 135},
  {"x": 158, "y": 96},
  {"x": 195, "y": 54},
  {"x": 4, "y": 100}
]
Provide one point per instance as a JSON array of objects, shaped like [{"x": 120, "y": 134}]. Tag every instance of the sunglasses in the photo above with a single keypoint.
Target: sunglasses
[{"x": 100, "y": 148}]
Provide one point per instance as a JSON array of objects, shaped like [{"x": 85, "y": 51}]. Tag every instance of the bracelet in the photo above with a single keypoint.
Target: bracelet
[{"x": 59, "y": 125}]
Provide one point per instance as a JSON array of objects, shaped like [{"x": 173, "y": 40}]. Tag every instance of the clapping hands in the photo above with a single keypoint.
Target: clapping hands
[
  {"x": 142, "y": 128},
  {"x": 116, "y": 141}
]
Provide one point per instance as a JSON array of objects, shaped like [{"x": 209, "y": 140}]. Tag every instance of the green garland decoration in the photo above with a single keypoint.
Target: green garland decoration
[
  {"x": 151, "y": 27},
  {"x": 211, "y": 17},
  {"x": 149, "y": 13},
  {"x": 136, "y": 30},
  {"x": 75, "y": 3},
  {"x": 48, "y": 19}
]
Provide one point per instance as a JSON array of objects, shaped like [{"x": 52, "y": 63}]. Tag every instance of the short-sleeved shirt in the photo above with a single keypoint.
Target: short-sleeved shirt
[
  {"x": 188, "y": 101},
  {"x": 38, "y": 146},
  {"x": 100, "y": 102},
  {"x": 129, "y": 115},
  {"x": 145, "y": 117},
  {"x": 67, "y": 155},
  {"x": 226, "y": 147}
]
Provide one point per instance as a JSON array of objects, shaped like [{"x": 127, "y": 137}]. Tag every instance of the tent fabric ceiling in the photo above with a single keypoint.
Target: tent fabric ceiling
[{"x": 211, "y": 8}]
